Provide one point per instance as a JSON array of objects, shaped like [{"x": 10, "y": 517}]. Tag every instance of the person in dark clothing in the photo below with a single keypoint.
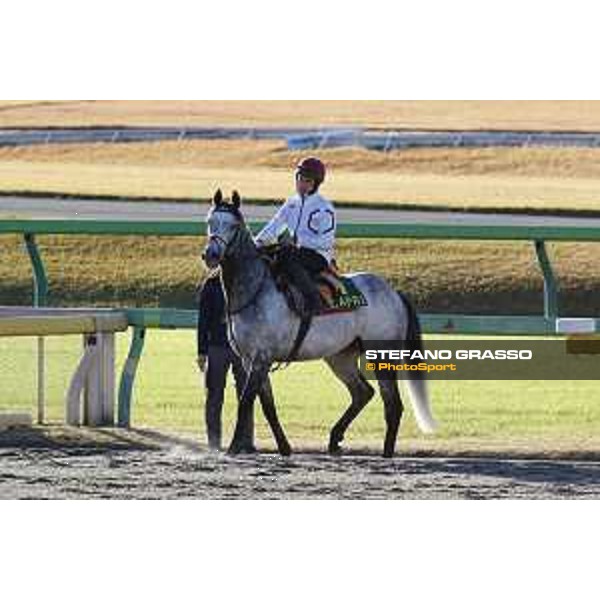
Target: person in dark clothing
[{"x": 215, "y": 358}]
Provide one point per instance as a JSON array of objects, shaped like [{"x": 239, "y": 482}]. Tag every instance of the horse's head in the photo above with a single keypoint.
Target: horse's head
[{"x": 225, "y": 221}]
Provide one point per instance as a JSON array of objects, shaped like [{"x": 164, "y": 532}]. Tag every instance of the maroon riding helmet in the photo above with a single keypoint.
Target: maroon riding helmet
[{"x": 311, "y": 168}]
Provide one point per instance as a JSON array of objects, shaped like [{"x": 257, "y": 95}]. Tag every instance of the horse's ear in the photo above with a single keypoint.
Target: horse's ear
[
  {"x": 235, "y": 198},
  {"x": 218, "y": 198}
]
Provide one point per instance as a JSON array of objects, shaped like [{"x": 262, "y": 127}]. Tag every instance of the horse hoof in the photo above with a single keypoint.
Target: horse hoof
[
  {"x": 285, "y": 450},
  {"x": 234, "y": 450},
  {"x": 335, "y": 450}
]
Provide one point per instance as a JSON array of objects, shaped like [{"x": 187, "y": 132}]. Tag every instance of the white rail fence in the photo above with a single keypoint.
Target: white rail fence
[{"x": 305, "y": 138}]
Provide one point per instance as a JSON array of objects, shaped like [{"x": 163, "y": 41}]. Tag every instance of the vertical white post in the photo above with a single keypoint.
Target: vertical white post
[
  {"x": 94, "y": 379},
  {"x": 41, "y": 380},
  {"x": 77, "y": 386},
  {"x": 92, "y": 407}
]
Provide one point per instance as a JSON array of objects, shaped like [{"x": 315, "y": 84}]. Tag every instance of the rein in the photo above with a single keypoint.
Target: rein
[
  {"x": 231, "y": 312},
  {"x": 252, "y": 298},
  {"x": 233, "y": 242}
]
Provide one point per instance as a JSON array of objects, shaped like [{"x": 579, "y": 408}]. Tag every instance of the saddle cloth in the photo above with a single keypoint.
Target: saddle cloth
[{"x": 338, "y": 293}]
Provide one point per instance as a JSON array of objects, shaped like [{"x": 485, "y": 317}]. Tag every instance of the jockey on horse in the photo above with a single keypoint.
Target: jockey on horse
[{"x": 308, "y": 220}]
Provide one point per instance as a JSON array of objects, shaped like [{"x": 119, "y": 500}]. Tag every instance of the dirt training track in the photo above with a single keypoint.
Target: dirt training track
[{"x": 52, "y": 471}]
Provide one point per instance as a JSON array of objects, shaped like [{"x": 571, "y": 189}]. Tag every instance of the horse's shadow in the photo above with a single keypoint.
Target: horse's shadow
[
  {"x": 529, "y": 471},
  {"x": 84, "y": 440}
]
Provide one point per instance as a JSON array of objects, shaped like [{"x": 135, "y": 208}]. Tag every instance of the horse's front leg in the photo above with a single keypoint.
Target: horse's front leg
[
  {"x": 258, "y": 383},
  {"x": 267, "y": 402},
  {"x": 254, "y": 381}
]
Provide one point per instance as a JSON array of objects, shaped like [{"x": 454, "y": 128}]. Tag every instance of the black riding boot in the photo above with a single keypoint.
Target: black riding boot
[{"x": 301, "y": 278}]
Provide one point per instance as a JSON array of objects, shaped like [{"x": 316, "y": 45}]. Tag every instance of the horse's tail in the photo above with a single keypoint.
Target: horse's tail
[{"x": 416, "y": 380}]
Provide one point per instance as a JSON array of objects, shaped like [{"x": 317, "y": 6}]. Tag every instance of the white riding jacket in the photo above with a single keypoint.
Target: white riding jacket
[{"x": 310, "y": 220}]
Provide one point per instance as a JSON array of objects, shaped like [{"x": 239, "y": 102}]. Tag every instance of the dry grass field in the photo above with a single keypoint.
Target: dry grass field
[
  {"x": 444, "y": 276},
  {"x": 503, "y": 178},
  {"x": 428, "y": 114}
]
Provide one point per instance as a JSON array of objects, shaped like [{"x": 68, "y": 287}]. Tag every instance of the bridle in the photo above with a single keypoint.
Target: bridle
[{"x": 221, "y": 241}]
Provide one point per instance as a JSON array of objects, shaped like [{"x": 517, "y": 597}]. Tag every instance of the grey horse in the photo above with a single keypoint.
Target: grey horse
[{"x": 262, "y": 329}]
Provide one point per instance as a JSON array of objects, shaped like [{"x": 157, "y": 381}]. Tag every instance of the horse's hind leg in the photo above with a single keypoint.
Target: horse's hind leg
[
  {"x": 393, "y": 408},
  {"x": 345, "y": 366}
]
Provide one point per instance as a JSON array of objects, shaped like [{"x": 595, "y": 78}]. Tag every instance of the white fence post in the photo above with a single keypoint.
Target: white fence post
[{"x": 90, "y": 398}]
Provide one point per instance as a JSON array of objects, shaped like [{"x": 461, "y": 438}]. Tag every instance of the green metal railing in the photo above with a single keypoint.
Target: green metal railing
[
  {"x": 142, "y": 319},
  {"x": 348, "y": 230}
]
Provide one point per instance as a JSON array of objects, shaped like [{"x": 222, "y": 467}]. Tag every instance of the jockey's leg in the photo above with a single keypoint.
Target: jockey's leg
[{"x": 303, "y": 266}]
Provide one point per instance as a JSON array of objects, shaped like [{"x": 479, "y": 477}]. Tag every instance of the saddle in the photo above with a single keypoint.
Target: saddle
[{"x": 337, "y": 292}]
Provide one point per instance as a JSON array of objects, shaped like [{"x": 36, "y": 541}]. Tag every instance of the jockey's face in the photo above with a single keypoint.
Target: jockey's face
[
  {"x": 222, "y": 226},
  {"x": 304, "y": 185}
]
